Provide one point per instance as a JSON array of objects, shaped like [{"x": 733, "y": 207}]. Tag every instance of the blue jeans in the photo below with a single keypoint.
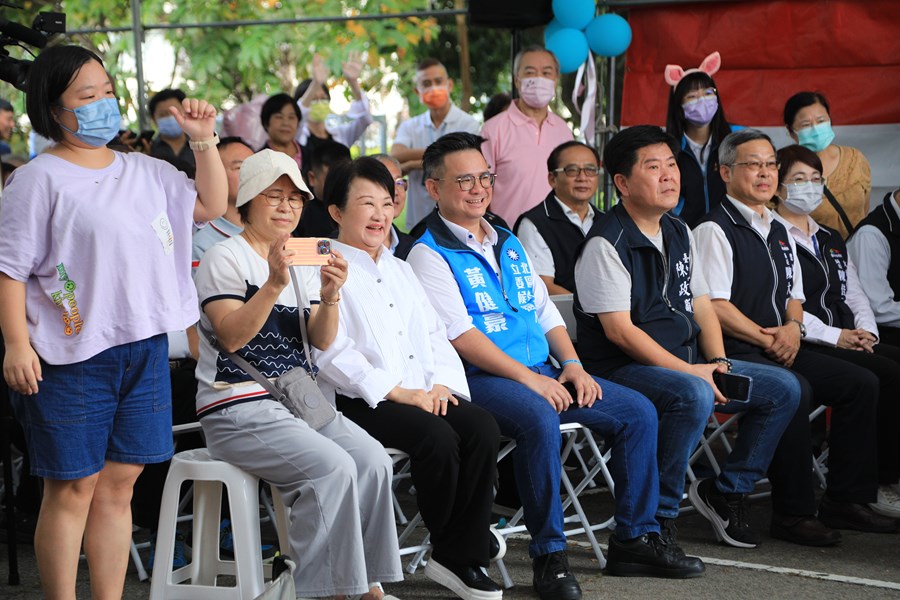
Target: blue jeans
[
  {"x": 684, "y": 403},
  {"x": 623, "y": 416}
]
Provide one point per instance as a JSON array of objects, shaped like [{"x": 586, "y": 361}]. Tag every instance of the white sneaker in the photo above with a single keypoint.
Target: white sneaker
[{"x": 888, "y": 503}]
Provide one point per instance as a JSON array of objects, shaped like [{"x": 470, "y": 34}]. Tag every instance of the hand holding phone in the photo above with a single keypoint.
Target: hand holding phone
[
  {"x": 315, "y": 252},
  {"x": 735, "y": 388}
]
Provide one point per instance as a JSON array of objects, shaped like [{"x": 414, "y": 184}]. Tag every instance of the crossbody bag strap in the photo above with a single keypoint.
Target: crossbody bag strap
[
  {"x": 840, "y": 211},
  {"x": 300, "y": 291},
  {"x": 242, "y": 363}
]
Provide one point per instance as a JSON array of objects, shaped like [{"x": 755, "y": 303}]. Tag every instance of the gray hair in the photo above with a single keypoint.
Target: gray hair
[
  {"x": 728, "y": 147},
  {"x": 529, "y": 49},
  {"x": 388, "y": 158}
]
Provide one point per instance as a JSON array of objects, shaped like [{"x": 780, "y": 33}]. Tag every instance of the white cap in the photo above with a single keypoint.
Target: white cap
[{"x": 260, "y": 170}]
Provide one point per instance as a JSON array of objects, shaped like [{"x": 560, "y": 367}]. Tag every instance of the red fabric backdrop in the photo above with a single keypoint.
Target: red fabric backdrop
[{"x": 847, "y": 49}]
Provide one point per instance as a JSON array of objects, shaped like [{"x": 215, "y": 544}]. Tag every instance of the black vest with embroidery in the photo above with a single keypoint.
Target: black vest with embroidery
[
  {"x": 763, "y": 271},
  {"x": 825, "y": 279},
  {"x": 562, "y": 236},
  {"x": 661, "y": 299},
  {"x": 886, "y": 220}
]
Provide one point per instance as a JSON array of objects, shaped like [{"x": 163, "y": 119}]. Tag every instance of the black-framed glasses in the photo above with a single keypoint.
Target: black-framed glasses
[
  {"x": 755, "y": 166},
  {"x": 574, "y": 170},
  {"x": 273, "y": 199},
  {"x": 402, "y": 182},
  {"x": 467, "y": 182}
]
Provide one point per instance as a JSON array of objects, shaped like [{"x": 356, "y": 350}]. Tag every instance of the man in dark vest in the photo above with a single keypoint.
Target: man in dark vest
[
  {"x": 749, "y": 263},
  {"x": 875, "y": 249},
  {"x": 645, "y": 321},
  {"x": 502, "y": 323},
  {"x": 552, "y": 231}
]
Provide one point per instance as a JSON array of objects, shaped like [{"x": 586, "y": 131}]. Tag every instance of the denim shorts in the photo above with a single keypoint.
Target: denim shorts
[{"x": 116, "y": 405}]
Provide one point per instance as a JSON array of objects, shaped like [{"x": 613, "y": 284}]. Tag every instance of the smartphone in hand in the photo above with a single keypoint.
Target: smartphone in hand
[
  {"x": 313, "y": 252},
  {"x": 735, "y": 388}
]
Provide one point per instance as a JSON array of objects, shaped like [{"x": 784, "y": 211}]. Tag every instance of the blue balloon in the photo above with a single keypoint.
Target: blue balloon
[
  {"x": 574, "y": 13},
  {"x": 570, "y": 47},
  {"x": 608, "y": 35},
  {"x": 551, "y": 28}
]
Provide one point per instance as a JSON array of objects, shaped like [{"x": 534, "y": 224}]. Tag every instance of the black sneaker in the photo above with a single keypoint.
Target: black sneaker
[
  {"x": 726, "y": 512},
  {"x": 552, "y": 579},
  {"x": 668, "y": 532},
  {"x": 650, "y": 556}
]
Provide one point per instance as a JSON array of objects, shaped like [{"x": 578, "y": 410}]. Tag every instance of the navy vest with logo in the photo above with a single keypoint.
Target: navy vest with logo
[
  {"x": 562, "y": 236},
  {"x": 763, "y": 271},
  {"x": 825, "y": 279},
  {"x": 661, "y": 298},
  {"x": 502, "y": 307},
  {"x": 888, "y": 223}
]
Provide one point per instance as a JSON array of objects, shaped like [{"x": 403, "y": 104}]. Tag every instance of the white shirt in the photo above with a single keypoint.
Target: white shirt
[
  {"x": 716, "y": 255},
  {"x": 817, "y": 331},
  {"x": 443, "y": 291},
  {"x": 537, "y": 247},
  {"x": 873, "y": 259},
  {"x": 420, "y": 132},
  {"x": 388, "y": 334},
  {"x": 347, "y": 132},
  {"x": 604, "y": 284}
]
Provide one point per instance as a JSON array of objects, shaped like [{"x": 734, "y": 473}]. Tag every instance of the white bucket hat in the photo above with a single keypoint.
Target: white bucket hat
[{"x": 260, "y": 170}]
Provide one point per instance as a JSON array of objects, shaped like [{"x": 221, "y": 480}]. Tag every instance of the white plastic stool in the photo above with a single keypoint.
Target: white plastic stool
[{"x": 206, "y": 565}]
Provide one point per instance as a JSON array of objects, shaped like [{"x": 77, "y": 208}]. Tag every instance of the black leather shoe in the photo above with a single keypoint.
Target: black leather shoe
[
  {"x": 552, "y": 579},
  {"x": 650, "y": 556},
  {"x": 469, "y": 583},
  {"x": 669, "y": 533},
  {"x": 859, "y": 517},
  {"x": 806, "y": 531}
]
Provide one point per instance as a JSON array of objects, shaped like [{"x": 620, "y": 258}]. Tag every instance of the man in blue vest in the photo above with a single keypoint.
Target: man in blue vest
[
  {"x": 749, "y": 262},
  {"x": 501, "y": 321},
  {"x": 645, "y": 320},
  {"x": 553, "y": 230}
]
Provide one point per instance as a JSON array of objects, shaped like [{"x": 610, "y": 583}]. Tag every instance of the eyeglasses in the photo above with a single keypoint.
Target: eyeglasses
[
  {"x": 402, "y": 183},
  {"x": 273, "y": 199},
  {"x": 698, "y": 94},
  {"x": 801, "y": 179},
  {"x": 754, "y": 166},
  {"x": 575, "y": 170},
  {"x": 467, "y": 182}
]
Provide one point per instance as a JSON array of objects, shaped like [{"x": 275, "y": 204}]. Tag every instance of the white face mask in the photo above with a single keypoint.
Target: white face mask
[{"x": 803, "y": 198}]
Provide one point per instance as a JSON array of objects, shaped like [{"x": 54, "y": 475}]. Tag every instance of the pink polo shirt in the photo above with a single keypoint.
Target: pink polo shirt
[{"x": 517, "y": 150}]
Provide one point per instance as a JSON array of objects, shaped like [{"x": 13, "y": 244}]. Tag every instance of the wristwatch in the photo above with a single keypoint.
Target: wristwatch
[
  {"x": 800, "y": 325},
  {"x": 204, "y": 145}
]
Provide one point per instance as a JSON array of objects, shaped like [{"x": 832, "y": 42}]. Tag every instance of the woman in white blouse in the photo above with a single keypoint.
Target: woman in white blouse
[
  {"x": 396, "y": 375},
  {"x": 836, "y": 312}
]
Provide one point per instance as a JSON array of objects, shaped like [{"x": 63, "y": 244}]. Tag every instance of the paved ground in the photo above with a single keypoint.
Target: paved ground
[{"x": 864, "y": 566}]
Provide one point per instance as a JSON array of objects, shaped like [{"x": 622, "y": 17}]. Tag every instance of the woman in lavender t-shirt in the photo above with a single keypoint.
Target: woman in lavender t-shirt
[{"x": 94, "y": 270}]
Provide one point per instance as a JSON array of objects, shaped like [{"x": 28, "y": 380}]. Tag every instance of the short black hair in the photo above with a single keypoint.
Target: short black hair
[
  {"x": 274, "y": 104},
  {"x": 49, "y": 76},
  {"x": 304, "y": 85},
  {"x": 433, "y": 158},
  {"x": 341, "y": 177},
  {"x": 244, "y": 212},
  {"x": 162, "y": 96},
  {"x": 621, "y": 152},
  {"x": 791, "y": 155},
  {"x": 5, "y": 105},
  {"x": 232, "y": 139},
  {"x": 798, "y": 102},
  {"x": 328, "y": 154},
  {"x": 553, "y": 159}
]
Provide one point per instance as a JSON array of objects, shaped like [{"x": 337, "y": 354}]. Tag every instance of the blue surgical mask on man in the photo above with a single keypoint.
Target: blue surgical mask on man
[
  {"x": 816, "y": 137},
  {"x": 168, "y": 127},
  {"x": 98, "y": 122}
]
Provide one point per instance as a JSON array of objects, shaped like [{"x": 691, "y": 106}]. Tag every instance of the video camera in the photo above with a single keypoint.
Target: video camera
[{"x": 46, "y": 24}]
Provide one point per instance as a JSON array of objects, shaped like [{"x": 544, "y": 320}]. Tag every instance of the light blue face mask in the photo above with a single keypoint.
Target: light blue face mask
[
  {"x": 816, "y": 137},
  {"x": 168, "y": 127},
  {"x": 98, "y": 122}
]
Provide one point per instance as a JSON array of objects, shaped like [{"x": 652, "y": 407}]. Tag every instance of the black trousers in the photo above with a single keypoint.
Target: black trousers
[
  {"x": 889, "y": 335},
  {"x": 852, "y": 393},
  {"x": 885, "y": 365},
  {"x": 454, "y": 466}
]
